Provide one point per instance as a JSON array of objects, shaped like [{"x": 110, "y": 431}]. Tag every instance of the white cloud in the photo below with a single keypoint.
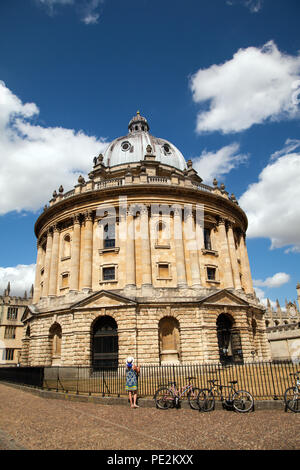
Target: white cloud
[
  {"x": 87, "y": 9},
  {"x": 212, "y": 165},
  {"x": 51, "y": 4},
  {"x": 21, "y": 278},
  {"x": 256, "y": 85},
  {"x": 89, "y": 14},
  {"x": 272, "y": 203},
  {"x": 277, "y": 280},
  {"x": 260, "y": 294},
  {"x": 253, "y": 5},
  {"x": 36, "y": 160}
]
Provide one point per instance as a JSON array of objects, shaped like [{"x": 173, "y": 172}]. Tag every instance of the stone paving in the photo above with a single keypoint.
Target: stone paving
[{"x": 28, "y": 421}]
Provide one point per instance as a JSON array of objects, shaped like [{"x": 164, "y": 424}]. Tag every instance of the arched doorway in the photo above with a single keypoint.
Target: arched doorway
[
  {"x": 229, "y": 340},
  {"x": 169, "y": 340},
  {"x": 224, "y": 330},
  {"x": 105, "y": 343}
]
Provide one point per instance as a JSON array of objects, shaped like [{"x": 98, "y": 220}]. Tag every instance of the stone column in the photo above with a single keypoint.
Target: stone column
[
  {"x": 37, "y": 282},
  {"x": 193, "y": 252},
  {"x": 75, "y": 255},
  {"x": 145, "y": 247},
  {"x": 233, "y": 257},
  {"x": 246, "y": 272},
  {"x": 225, "y": 263},
  {"x": 88, "y": 253},
  {"x": 130, "y": 250},
  {"x": 47, "y": 264},
  {"x": 54, "y": 262},
  {"x": 179, "y": 249}
]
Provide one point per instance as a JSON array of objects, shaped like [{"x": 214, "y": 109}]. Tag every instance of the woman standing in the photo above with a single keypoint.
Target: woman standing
[{"x": 132, "y": 373}]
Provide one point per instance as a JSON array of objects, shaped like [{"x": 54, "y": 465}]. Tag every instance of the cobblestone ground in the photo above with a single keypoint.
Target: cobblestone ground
[{"x": 30, "y": 422}]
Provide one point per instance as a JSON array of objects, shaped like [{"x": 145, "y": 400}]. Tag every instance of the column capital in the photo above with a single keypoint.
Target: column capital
[
  {"x": 144, "y": 210},
  {"x": 221, "y": 221},
  {"x": 189, "y": 213},
  {"x": 177, "y": 211},
  {"x": 131, "y": 211},
  {"x": 88, "y": 215},
  {"x": 48, "y": 232},
  {"x": 76, "y": 219}
]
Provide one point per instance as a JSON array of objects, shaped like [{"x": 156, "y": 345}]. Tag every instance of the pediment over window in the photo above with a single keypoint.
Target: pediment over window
[
  {"x": 27, "y": 314},
  {"x": 103, "y": 299},
  {"x": 225, "y": 298}
]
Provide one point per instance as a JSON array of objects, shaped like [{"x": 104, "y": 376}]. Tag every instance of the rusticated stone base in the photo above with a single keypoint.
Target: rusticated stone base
[{"x": 194, "y": 315}]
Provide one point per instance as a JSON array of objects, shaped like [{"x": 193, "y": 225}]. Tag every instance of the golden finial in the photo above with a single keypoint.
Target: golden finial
[{"x": 137, "y": 112}]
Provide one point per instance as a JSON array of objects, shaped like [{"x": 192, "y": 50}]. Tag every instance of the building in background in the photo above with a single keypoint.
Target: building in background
[
  {"x": 11, "y": 327},
  {"x": 283, "y": 329},
  {"x": 142, "y": 259}
]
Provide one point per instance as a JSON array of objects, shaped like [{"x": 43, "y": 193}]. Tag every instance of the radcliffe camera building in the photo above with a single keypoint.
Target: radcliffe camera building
[{"x": 142, "y": 259}]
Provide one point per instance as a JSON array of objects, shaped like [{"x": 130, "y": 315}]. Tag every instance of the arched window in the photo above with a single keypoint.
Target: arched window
[
  {"x": 109, "y": 235},
  {"x": 169, "y": 340},
  {"x": 207, "y": 239},
  {"x": 105, "y": 343},
  {"x": 55, "y": 337},
  {"x": 66, "y": 246},
  {"x": 162, "y": 234}
]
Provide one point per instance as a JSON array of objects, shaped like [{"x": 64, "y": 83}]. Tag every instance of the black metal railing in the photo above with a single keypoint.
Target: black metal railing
[
  {"x": 32, "y": 376},
  {"x": 264, "y": 380}
]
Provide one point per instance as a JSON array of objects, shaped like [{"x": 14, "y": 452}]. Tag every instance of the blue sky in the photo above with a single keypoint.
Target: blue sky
[{"x": 219, "y": 78}]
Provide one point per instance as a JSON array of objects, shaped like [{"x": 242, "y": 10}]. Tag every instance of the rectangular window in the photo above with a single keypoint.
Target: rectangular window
[
  {"x": 109, "y": 274},
  {"x": 211, "y": 274},
  {"x": 64, "y": 280},
  {"x": 12, "y": 313},
  {"x": 9, "y": 354},
  {"x": 163, "y": 271},
  {"x": 10, "y": 332}
]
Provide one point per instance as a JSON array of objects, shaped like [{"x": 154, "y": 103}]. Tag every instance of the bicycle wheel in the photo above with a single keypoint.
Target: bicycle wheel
[
  {"x": 193, "y": 398},
  {"x": 292, "y": 399},
  {"x": 206, "y": 400},
  {"x": 164, "y": 398},
  {"x": 242, "y": 401}
]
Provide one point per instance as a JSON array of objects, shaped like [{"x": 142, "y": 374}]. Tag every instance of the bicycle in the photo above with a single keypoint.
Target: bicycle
[
  {"x": 292, "y": 395},
  {"x": 168, "y": 396},
  {"x": 237, "y": 400}
]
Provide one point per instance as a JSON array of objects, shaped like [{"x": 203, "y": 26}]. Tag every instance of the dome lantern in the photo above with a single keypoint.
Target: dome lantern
[
  {"x": 135, "y": 146},
  {"x": 138, "y": 124}
]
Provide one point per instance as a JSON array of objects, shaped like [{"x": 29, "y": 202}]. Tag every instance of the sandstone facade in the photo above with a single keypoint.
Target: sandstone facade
[{"x": 145, "y": 260}]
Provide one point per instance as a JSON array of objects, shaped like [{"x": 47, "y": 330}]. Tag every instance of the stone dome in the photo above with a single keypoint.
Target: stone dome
[{"x": 135, "y": 145}]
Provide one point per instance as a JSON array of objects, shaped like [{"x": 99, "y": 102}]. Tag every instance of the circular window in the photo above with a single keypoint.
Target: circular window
[
  {"x": 166, "y": 148},
  {"x": 125, "y": 146}
]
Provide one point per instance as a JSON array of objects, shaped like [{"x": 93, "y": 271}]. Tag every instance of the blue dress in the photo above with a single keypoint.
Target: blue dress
[{"x": 131, "y": 380}]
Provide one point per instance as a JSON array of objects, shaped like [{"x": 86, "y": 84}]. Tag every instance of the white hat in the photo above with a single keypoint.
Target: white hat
[{"x": 129, "y": 360}]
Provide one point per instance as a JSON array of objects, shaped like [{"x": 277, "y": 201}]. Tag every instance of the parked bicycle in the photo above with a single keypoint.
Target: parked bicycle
[
  {"x": 238, "y": 400},
  {"x": 168, "y": 396},
  {"x": 292, "y": 395}
]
